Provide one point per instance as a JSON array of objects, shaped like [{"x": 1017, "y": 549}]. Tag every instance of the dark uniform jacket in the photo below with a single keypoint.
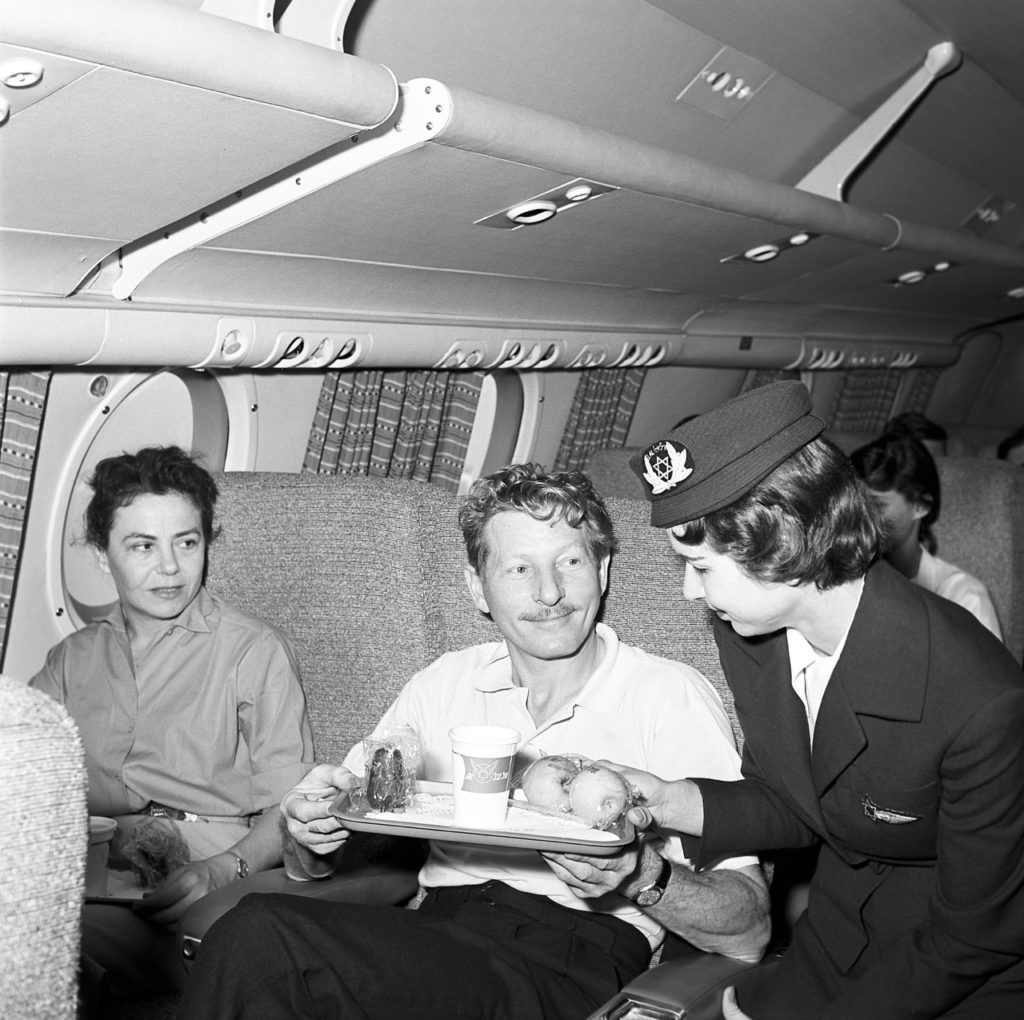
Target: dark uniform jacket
[{"x": 915, "y": 788}]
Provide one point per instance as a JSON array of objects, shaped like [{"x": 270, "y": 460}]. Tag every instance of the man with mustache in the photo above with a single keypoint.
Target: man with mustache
[{"x": 503, "y": 932}]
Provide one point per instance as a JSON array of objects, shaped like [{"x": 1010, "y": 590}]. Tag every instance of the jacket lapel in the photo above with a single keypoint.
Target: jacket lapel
[
  {"x": 769, "y": 694},
  {"x": 863, "y": 680}
]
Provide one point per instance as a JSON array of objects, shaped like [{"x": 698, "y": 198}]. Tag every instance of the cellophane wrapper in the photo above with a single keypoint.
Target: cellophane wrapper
[
  {"x": 392, "y": 764},
  {"x": 155, "y": 848}
]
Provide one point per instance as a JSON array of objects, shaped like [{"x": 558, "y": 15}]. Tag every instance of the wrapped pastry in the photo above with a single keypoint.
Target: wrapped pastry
[
  {"x": 392, "y": 762},
  {"x": 573, "y": 785},
  {"x": 155, "y": 848}
]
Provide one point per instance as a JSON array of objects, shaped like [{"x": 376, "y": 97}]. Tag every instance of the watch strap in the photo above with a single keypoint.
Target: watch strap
[{"x": 653, "y": 891}]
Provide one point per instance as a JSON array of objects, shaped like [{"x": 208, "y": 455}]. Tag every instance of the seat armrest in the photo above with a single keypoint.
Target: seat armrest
[
  {"x": 689, "y": 987},
  {"x": 374, "y": 873}
]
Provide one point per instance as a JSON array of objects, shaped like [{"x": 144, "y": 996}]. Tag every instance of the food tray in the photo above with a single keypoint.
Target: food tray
[
  {"x": 123, "y": 889},
  {"x": 425, "y": 819}
]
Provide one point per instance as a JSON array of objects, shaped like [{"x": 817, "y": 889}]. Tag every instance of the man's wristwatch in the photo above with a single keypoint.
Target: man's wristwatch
[
  {"x": 241, "y": 865},
  {"x": 650, "y": 894}
]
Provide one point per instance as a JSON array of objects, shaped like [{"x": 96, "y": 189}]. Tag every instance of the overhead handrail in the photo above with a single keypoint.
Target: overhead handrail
[
  {"x": 171, "y": 42},
  {"x": 220, "y": 54},
  {"x": 495, "y": 127}
]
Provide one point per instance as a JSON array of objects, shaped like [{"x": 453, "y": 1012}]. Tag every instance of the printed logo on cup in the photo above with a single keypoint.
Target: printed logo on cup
[{"x": 486, "y": 775}]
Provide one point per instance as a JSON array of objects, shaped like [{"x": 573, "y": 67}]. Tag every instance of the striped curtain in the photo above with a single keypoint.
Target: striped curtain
[
  {"x": 864, "y": 403},
  {"x": 396, "y": 424},
  {"x": 601, "y": 414},
  {"x": 22, "y": 401},
  {"x": 921, "y": 383}
]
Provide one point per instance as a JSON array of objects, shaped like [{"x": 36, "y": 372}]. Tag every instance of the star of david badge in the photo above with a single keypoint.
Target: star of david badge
[{"x": 666, "y": 465}]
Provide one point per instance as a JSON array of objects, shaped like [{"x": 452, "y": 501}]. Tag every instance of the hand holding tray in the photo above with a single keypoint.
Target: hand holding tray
[{"x": 430, "y": 816}]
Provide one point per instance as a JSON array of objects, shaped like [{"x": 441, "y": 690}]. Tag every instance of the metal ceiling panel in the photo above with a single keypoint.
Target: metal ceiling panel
[
  {"x": 971, "y": 293},
  {"x": 613, "y": 65},
  {"x": 229, "y": 279},
  {"x": 882, "y": 41},
  {"x": 54, "y": 264},
  {"x": 902, "y": 180},
  {"x": 623, "y": 239},
  {"x": 118, "y": 155},
  {"x": 989, "y": 30},
  {"x": 972, "y": 124},
  {"x": 137, "y": 143}
]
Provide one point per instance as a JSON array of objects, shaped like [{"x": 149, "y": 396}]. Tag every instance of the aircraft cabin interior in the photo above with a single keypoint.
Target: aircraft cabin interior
[{"x": 354, "y": 254}]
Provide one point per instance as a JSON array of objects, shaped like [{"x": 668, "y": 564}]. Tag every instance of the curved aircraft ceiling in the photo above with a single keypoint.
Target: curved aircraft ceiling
[{"x": 771, "y": 168}]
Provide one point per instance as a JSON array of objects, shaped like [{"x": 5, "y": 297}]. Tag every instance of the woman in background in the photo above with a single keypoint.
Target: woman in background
[{"x": 902, "y": 477}]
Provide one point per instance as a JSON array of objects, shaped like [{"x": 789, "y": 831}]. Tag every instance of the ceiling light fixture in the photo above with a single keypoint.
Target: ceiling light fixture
[
  {"x": 579, "y": 192},
  {"x": 762, "y": 253},
  {"x": 21, "y": 74},
  {"x": 545, "y": 206},
  {"x": 773, "y": 249},
  {"x": 913, "y": 276}
]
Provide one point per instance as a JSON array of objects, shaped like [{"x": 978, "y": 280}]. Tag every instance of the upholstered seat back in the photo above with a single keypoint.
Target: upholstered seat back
[
  {"x": 646, "y": 605},
  {"x": 981, "y": 529},
  {"x": 366, "y": 575},
  {"x": 43, "y": 841},
  {"x": 335, "y": 562}
]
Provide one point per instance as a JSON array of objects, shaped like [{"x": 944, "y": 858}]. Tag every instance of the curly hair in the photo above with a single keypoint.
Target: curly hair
[
  {"x": 809, "y": 521},
  {"x": 898, "y": 461},
  {"x": 545, "y": 496},
  {"x": 156, "y": 470}
]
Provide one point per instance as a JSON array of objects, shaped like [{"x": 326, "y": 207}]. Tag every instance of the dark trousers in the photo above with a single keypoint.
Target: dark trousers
[{"x": 484, "y": 952}]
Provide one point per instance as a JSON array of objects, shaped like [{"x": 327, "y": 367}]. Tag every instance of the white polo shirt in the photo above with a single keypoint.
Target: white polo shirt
[{"x": 636, "y": 709}]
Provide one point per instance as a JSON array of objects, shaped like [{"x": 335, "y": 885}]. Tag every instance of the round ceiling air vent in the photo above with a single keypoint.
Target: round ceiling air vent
[{"x": 537, "y": 210}]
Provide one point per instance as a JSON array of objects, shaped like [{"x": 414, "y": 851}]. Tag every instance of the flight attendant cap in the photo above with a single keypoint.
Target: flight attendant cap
[{"x": 713, "y": 459}]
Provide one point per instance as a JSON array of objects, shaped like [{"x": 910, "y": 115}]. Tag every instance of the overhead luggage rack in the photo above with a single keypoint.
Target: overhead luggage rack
[{"x": 263, "y": 175}]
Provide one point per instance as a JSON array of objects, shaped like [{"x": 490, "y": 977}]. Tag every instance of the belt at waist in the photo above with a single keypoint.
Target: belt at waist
[{"x": 163, "y": 811}]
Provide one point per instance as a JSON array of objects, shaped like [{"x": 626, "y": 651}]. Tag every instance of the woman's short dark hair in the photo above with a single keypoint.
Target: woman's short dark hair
[
  {"x": 914, "y": 423},
  {"x": 545, "y": 496},
  {"x": 810, "y": 521},
  {"x": 156, "y": 470},
  {"x": 899, "y": 462}
]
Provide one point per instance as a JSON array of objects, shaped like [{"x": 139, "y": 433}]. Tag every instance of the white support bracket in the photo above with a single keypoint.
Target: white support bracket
[
  {"x": 258, "y": 13},
  {"x": 316, "y": 21},
  {"x": 829, "y": 177},
  {"x": 424, "y": 109}
]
